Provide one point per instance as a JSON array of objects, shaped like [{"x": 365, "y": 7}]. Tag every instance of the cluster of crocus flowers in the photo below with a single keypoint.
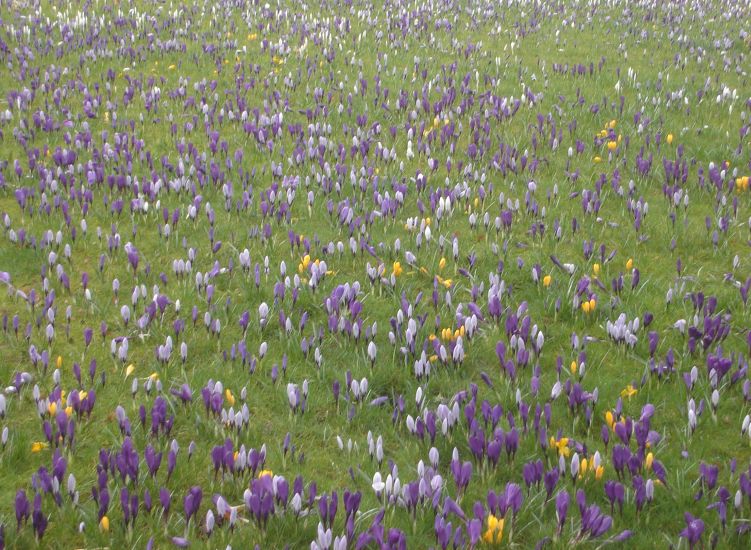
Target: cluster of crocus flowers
[
  {"x": 304, "y": 264},
  {"x": 588, "y": 306},
  {"x": 583, "y": 468},
  {"x": 449, "y": 335},
  {"x": 402, "y": 156},
  {"x": 494, "y": 532}
]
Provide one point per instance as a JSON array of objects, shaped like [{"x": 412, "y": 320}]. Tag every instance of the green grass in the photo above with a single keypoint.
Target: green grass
[{"x": 707, "y": 131}]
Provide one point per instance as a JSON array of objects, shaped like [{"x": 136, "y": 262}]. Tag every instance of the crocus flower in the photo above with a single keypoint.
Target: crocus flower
[
  {"x": 694, "y": 529},
  {"x": 561, "y": 509},
  {"x": 494, "y": 532}
]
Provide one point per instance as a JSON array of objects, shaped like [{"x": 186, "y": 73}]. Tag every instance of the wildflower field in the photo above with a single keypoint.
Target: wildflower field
[{"x": 375, "y": 274}]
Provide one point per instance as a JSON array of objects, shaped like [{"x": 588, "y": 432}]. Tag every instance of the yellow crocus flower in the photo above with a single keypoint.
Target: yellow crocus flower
[
  {"x": 561, "y": 446},
  {"x": 494, "y": 532}
]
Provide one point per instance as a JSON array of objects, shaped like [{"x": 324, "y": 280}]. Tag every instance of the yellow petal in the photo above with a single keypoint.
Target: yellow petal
[
  {"x": 609, "y": 419},
  {"x": 499, "y": 530}
]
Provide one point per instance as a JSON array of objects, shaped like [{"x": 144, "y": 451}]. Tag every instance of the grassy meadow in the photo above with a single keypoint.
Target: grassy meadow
[{"x": 359, "y": 274}]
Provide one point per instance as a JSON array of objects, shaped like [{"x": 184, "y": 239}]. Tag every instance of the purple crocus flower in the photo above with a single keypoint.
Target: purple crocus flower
[
  {"x": 694, "y": 529},
  {"x": 180, "y": 542},
  {"x": 22, "y": 507},
  {"x": 192, "y": 502},
  {"x": 561, "y": 509},
  {"x": 165, "y": 499},
  {"x": 38, "y": 518}
]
